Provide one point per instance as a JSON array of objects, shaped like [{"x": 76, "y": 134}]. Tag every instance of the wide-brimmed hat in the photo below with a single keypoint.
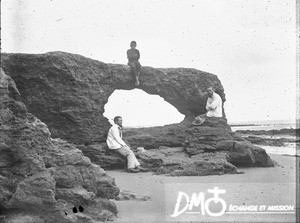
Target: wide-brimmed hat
[{"x": 198, "y": 121}]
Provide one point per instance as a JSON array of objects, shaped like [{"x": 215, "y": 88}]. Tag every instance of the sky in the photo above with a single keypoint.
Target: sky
[{"x": 249, "y": 44}]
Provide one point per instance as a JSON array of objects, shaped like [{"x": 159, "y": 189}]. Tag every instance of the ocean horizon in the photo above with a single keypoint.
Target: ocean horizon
[
  {"x": 249, "y": 125},
  {"x": 265, "y": 125}
]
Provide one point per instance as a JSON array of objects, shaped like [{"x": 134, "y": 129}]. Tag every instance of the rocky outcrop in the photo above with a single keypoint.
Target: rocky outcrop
[
  {"x": 273, "y": 132},
  {"x": 268, "y": 141},
  {"x": 43, "y": 179},
  {"x": 176, "y": 162},
  {"x": 182, "y": 149},
  {"x": 68, "y": 92},
  {"x": 270, "y": 137},
  {"x": 211, "y": 132}
]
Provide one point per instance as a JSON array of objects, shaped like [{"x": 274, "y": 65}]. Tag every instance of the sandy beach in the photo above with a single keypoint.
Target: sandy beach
[{"x": 255, "y": 188}]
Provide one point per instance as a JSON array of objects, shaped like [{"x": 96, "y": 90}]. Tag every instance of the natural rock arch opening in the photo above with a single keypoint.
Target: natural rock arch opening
[{"x": 140, "y": 109}]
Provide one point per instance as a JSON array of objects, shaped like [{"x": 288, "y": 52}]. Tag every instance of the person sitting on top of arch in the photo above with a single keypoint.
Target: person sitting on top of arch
[
  {"x": 133, "y": 56},
  {"x": 213, "y": 107}
]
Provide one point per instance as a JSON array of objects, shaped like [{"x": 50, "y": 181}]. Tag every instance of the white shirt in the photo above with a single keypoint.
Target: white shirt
[
  {"x": 114, "y": 138},
  {"x": 214, "y": 106}
]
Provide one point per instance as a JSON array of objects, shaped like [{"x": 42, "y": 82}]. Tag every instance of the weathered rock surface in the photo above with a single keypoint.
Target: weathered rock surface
[
  {"x": 126, "y": 195},
  {"x": 268, "y": 141},
  {"x": 42, "y": 179},
  {"x": 201, "y": 140},
  {"x": 68, "y": 92},
  {"x": 101, "y": 155},
  {"x": 176, "y": 162}
]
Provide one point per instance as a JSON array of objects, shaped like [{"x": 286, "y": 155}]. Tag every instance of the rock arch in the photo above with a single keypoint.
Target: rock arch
[{"x": 68, "y": 91}]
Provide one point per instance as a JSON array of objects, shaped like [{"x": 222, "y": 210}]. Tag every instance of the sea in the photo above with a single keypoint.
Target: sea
[
  {"x": 290, "y": 149},
  {"x": 265, "y": 125}
]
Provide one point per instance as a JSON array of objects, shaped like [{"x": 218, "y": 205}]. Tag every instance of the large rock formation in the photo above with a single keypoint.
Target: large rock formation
[
  {"x": 68, "y": 92},
  {"x": 44, "y": 179}
]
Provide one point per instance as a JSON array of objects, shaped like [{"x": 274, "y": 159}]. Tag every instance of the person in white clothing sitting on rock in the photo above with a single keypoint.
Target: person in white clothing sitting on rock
[
  {"x": 213, "y": 107},
  {"x": 115, "y": 142}
]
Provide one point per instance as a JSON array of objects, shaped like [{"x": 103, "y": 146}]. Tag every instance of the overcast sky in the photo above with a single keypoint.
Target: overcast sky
[{"x": 249, "y": 44}]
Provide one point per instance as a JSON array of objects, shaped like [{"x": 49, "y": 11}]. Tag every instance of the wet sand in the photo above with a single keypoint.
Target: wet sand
[{"x": 256, "y": 187}]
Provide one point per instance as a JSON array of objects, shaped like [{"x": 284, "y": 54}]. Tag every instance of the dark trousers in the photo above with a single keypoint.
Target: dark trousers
[{"x": 135, "y": 68}]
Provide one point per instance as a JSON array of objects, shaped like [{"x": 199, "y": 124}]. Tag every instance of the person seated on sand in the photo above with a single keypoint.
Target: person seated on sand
[
  {"x": 133, "y": 56},
  {"x": 213, "y": 107},
  {"x": 115, "y": 142}
]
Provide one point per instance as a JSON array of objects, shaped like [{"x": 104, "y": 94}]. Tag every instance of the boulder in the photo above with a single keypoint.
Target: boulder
[
  {"x": 243, "y": 153},
  {"x": 41, "y": 179},
  {"x": 128, "y": 195}
]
